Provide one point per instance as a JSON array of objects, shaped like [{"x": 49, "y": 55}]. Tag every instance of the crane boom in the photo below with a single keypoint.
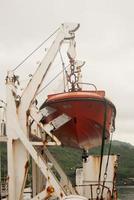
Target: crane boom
[
  {"x": 18, "y": 165},
  {"x": 66, "y": 32}
]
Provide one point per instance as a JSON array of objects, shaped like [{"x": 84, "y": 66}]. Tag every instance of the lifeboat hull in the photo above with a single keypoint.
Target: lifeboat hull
[{"x": 87, "y": 113}]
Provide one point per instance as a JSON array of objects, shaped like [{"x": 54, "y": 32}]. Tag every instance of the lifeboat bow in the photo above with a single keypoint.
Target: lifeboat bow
[{"x": 78, "y": 118}]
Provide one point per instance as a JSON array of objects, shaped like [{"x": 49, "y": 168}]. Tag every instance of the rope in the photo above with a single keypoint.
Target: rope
[
  {"x": 39, "y": 46},
  {"x": 105, "y": 174},
  {"x": 52, "y": 80},
  {"x": 63, "y": 67},
  {"x": 102, "y": 146}
]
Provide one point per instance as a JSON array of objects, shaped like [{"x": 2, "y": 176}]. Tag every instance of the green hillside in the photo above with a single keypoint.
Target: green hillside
[{"x": 70, "y": 159}]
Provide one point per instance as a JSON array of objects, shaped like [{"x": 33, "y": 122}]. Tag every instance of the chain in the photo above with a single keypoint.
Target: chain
[{"x": 73, "y": 77}]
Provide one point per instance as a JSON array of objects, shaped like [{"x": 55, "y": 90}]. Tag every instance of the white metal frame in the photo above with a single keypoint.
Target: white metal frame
[{"x": 17, "y": 121}]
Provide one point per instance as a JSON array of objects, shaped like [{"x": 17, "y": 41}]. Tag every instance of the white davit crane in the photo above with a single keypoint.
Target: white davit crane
[
  {"x": 27, "y": 140},
  {"x": 18, "y": 118}
]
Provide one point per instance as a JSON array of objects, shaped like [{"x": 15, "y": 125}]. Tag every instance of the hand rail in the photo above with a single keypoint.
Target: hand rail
[
  {"x": 99, "y": 187},
  {"x": 90, "y": 84}
]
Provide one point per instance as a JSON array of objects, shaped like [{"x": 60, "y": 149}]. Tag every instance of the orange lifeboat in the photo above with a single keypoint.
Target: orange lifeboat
[{"x": 90, "y": 112}]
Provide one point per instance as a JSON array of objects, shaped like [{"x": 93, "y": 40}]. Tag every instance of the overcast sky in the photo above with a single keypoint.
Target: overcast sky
[{"x": 105, "y": 41}]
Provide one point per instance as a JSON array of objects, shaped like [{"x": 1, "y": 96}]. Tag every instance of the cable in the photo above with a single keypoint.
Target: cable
[
  {"x": 63, "y": 66},
  {"x": 103, "y": 139},
  {"x": 34, "y": 50},
  {"x": 102, "y": 147},
  {"x": 105, "y": 173},
  {"x": 52, "y": 80}
]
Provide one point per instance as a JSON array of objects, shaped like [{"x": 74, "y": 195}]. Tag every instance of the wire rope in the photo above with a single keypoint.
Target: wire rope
[
  {"x": 38, "y": 47},
  {"x": 106, "y": 168},
  {"x": 63, "y": 67},
  {"x": 102, "y": 147},
  {"x": 52, "y": 80}
]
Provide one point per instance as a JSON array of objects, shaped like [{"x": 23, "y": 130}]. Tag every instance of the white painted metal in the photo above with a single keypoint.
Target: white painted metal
[
  {"x": 66, "y": 32},
  {"x": 71, "y": 50},
  {"x": 37, "y": 143},
  {"x": 27, "y": 97},
  {"x": 56, "y": 123},
  {"x": 38, "y": 160},
  {"x": 59, "y": 121},
  {"x": 19, "y": 115},
  {"x": 39, "y": 114},
  {"x": 47, "y": 111},
  {"x": 88, "y": 175},
  {"x": 74, "y": 197},
  {"x": 16, "y": 166},
  {"x": 64, "y": 180},
  {"x": 34, "y": 178},
  {"x": 46, "y": 128},
  {"x": 40, "y": 196},
  {"x": 19, "y": 146},
  {"x": 11, "y": 171},
  {"x": 38, "y": 180},
  {"x": 10, "y": 110}
]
